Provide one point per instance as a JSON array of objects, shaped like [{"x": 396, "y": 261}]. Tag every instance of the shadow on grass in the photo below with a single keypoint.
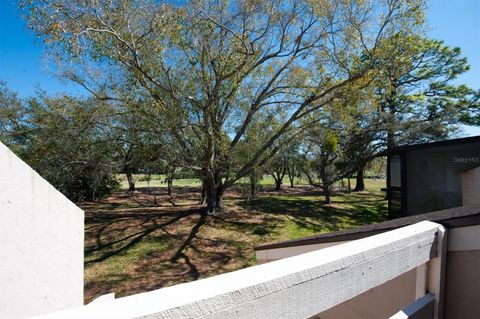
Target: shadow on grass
[
  {"x": 248, "y": 222},
  {"x": 158, "y": 246},
  {"x": 312, "y": 214},
  {"x": 154, "y": 250},
  {"x": 111, "y": 245}
]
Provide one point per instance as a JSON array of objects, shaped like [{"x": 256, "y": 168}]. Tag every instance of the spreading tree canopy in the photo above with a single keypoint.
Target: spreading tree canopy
[{"x": 214, "y": 67}]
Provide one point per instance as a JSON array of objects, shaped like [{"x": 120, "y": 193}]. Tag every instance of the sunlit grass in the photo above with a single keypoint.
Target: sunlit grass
[
  {"x": 158, "y": 180},
  {"x": 132, "y": 239}
]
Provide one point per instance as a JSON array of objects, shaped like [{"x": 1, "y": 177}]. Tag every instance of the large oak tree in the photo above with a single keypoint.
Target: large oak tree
[{"x": 213, "y": 67}]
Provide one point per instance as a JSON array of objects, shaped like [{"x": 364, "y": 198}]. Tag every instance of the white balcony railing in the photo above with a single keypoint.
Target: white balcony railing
[{"x": 296, "y": 287}]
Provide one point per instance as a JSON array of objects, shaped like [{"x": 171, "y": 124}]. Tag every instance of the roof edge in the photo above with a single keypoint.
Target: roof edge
[
  {"x": 453, "y": 217},
  {"x": 410, "y": 147}
]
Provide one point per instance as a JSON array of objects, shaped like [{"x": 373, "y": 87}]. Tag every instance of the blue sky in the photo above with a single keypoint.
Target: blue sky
[
  {"x": 22, "y": 61},
  {"x": 23, "y": 66}
]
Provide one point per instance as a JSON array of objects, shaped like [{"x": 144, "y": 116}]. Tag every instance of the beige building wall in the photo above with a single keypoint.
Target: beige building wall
[
  {"x": 41, "y": 238},
  {"x": 463, "y": 285},
  {"x": 463, "y": 273},
  {"x": 471, "y": 186},
  {"x": 378, "y": 303}
]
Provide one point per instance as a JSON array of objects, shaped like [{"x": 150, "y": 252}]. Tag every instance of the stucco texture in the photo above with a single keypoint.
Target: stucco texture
[{"x": 41, "y": 236}]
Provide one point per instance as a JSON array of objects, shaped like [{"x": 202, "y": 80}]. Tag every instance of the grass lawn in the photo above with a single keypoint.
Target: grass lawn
[
  {"x": 156, "y": 181},
  {"x": 135, "y": 242},
  {"x": 159, "y": 181}
]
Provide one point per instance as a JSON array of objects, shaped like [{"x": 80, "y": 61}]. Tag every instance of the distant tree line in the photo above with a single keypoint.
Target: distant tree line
[{"x": 227, "y": 90}]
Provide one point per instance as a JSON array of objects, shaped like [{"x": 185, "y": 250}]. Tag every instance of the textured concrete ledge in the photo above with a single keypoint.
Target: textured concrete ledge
[{"x": 296, "y": 287}]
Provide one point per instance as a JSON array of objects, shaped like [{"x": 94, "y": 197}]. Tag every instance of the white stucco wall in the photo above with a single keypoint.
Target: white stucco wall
[{"x": 41, "y": 238}]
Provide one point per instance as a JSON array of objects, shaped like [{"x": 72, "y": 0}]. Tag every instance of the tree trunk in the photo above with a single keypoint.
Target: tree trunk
[
  {"x": 326, "y": 192},
  {"x": 203, "y": 198},
  {"x": 349, "y": 185},
  {"x": 380, "y": 170},
  {"x": 170, "y": 185},
  {"x": 253, "y": 186},
  {"x": 326, "y": 188},
  {"x": 291, "y": 176},
  {"x": 392, "y": 110},
  {"x": 214, "y": 196},
  {"x": 360, "y": 185},
  {"x": 214, "y": 201},
  {"x": 278, "y": 184},
  {"x": 131, "y": 181},
  {"x": 278, "y": 177},
  {"x": 390, "y": 139}
]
